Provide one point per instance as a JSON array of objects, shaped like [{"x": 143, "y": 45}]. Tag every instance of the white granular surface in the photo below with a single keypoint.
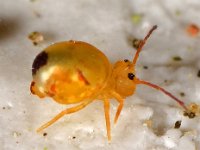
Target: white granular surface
[{"x": 108, "y": 25}]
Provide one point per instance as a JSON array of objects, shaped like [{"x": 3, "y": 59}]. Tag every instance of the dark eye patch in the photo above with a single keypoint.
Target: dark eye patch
[
  {"x": 40, "y": 60},
  {"x": 126, "y": 60},
  {"x": 131, "y": 76}
]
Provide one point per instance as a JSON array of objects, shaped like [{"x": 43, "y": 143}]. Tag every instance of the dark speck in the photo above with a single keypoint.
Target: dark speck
[
  {"x": 177, "y": 124},
  {"x": 136, "y": 43},
  {"x": 40, "y": 60},
  {"x": 177, "y": 58},
  {"x": 45, "y": 134},
  {"x": 4, "y": 107},
  {"x": 198, "y": 74},
  {"x": 182, "y": 94},
  {"x": 145, "y": 67},
  {"x": 35, "y": 43},
  {"x": 73, "y": 137},
  {"x": 189, "y": 114}
]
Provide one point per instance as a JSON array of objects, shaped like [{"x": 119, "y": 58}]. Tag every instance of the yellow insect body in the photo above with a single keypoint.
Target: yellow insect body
[
  {"x": 77, "y": 72},
  {"x": 74, "y": 71}
]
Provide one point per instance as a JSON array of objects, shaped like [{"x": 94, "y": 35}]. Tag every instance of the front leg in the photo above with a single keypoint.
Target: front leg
[
  {"x": 121, "y": 104},
  {"x": 107, "y": 117}
]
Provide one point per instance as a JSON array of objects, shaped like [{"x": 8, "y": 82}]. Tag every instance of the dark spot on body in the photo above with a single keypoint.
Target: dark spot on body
[
  {"x": 126, "y": 60},
  {"x": 131, "y": 76},
  {"x": 40, "y": 60},
  {"x": 31, "y": 87},
  {"x": 82, "y": 77},
  {"x": 198, "y": 74},
  {"x": 177, "y": 124}
]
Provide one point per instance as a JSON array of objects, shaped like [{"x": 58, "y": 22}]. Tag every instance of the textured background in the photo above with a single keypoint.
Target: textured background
[{"x": 109, "y": 25}]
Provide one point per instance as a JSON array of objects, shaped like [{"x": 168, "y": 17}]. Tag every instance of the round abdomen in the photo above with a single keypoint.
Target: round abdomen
[{"x": 70, "y": 72}]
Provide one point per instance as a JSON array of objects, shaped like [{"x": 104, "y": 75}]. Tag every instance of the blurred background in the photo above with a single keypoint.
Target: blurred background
[{"x": 170, "y": 59}]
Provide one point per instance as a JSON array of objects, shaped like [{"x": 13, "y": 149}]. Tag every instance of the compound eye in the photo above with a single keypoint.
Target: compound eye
[
  {"x": 131, "y": 76},
  {"x": 126, "y": 60}
]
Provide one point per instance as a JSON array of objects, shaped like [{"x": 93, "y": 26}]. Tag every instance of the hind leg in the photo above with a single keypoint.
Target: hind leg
[{"x": 64, "y": 112}]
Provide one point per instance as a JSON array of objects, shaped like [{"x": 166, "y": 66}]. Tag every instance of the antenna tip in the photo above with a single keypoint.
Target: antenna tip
[{"x": 155, "y": 27}]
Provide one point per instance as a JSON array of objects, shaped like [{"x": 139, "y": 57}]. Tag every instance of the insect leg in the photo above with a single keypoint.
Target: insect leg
[
  {"x": 107, "y": 117},
  {"x": 64, "y": 112},
  {"x": 121, "y": 104}
]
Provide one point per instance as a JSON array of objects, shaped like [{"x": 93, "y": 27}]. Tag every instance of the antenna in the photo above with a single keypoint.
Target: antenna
[
  {"x": 181, "y": 103},
  {"x": 142, "y": 43}
]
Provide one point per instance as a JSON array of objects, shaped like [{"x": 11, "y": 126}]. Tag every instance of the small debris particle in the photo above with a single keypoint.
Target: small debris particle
[
  {"x": 198, "y": 74},
  {"x": 136, "y": 43},
  {"x": 185, "y": 113},
  {"x": 191, "y": 133},
  {"x": 16, "y": 134},
  {"x": 44, "y": 134},
  {"x": 177, "y": 124},
  {"x": 136, "y": 18},
  {"x": 4, "y": 108},
  {"x": 189, "y": 114},
  {"x": 45, "y": 148},
  {"x": 145, "y": 67},
  {"x": 182, "y": 94},
  {"x": 178, "y": 12},
  {"x": 37, "y": 14},
  {"x": 177, "y": 58},
  {"x": 148, "y": 123},
  {"x": 190, "y": 48},
  {"x": 36, "y": 37},
  {"x": 194, "y": 109},
  {"x": 192, "y": 30},
  {"x": 33, "y": 0},
  {"x": 73, "y": 137}
]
